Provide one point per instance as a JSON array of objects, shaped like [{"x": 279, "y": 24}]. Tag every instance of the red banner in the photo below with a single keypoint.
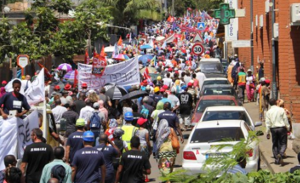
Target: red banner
[{"x": 99, "y": 65}]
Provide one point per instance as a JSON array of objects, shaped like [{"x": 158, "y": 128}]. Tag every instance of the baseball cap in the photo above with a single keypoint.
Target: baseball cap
[
  {"x": 156, "y": 89},
  {"x": 141, "y": 121},
  {"x": 80, "y": 122},
  {"x": 84, "y": 85},
  {"x": 162, "y": 90},
  {"x": 56, "y": 87},
  {"x": 165, "y": 87},
  {"x": 190, "y": 84},
  {"x": 183, "y": 87},
  {"x": 68, "y": 87},
  {"x": 170, "y": 69},
  {"x": 96, "y": 105},
  {"x": 4, "y": 82},
  {"x": 267, "y": 81},
  {"x": 158, "y": 78},
  {"x": 88, "y": 136}
]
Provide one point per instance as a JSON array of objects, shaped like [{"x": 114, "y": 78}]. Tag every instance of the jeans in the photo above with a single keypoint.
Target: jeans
[
  {"x": 279, "y": 140},
  {"x": 241, "y": 93}
]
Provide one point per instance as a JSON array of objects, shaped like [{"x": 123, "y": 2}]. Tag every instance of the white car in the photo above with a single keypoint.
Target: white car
[
  {"x": 205, "y": 138},
  {"x": 228, "y": 113},
  {"x": 210, "y": 60}
]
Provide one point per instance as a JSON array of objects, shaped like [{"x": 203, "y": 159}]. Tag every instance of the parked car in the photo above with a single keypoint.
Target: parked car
[
  {"x": 210, "y": 60},
  {"x": 214, "y": 113},
  {"x": 212, "y": 100},
  {"x": 215, "y": 81},
  {"x": 212, "y": 68},
  {"x": 221, "y": 89},
  {"x": 206, "y": 138}
]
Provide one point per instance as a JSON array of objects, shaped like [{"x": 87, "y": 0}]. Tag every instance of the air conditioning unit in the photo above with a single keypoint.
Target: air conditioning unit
[
  {"x": 275, "y": 30},
  {"x": 295, "y": 13}
]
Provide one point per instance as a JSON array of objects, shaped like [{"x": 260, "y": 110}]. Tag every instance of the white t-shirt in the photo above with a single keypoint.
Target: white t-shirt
[
  {"x": 86, "y": 113},
  {"x": 201, "y": 77},
  {"x": 167, "y": 81},
  {"x": 249, "y": 79},
  {"x": 174, "y": 100},
  {"x": 58, "y": 112}
]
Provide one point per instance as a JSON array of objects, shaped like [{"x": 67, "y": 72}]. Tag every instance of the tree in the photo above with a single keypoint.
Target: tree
[
  {"x": 42, "y": 34},
  {"x": 126, "y": 12}
]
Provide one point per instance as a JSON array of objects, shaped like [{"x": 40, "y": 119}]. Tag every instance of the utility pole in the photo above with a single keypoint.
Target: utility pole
[
  {"x": 251, "y": 35},
  {"x": 173, "y": 10}
]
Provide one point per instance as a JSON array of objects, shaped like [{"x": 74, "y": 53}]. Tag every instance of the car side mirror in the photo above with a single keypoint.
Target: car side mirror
[
  {"x": 258, "y": 123},
  {"x": 259, "y": 133}
]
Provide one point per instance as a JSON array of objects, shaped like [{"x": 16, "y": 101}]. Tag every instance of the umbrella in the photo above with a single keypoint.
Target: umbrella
[
  {"x": 150, "y": 69},
  {"x": 70, "y": 75},
  {"x": 133, "y": 95},
  {"x": 144, "y": 59},
  {"x": 146, "y": 46},
  {"x": 115, "y": 92},
  {"x": 159, "y": 38},
  {"x": 65, "y": 66},
  {"x": 126, "y": 57},
  {"x": 120, "y": 57}
]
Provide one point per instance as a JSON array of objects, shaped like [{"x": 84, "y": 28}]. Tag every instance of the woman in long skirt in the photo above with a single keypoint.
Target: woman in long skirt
[{"x": 250, "y": 85}]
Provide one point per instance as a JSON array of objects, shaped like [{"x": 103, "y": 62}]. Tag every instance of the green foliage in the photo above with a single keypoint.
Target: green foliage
[{"x": 42, "y": 34}]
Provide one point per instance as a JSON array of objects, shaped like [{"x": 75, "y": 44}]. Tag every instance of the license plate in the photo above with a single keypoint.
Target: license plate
[{"x": 214, "y": 155}]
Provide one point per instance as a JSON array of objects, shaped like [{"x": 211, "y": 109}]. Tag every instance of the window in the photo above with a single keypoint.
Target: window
[
  {"x": 226, "y": 115},
  {"x": 217, "y": 134},
  {"x": 207, "y": 103}
]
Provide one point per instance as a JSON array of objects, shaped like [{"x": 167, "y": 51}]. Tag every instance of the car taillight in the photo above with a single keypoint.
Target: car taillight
[
  {"x": 250, "y": 152},
  {"x": 189, "y": 155}
]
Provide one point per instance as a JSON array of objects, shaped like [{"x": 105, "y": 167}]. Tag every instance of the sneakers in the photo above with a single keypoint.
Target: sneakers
[{"x": 279, "y": 160}]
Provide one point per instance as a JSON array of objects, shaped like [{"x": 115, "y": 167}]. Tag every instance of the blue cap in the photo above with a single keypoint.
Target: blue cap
[
  {"x": 88, "y": 136},
  {"x": 183, "y": 87},
  {"x": 128, "y": 116}
]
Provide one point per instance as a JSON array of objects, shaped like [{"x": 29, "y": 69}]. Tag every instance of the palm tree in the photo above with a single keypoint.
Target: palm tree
[{"x": 129, "y": 11}]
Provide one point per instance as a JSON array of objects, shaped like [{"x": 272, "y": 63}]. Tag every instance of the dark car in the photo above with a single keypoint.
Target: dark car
[
  {"x": 212, "y": 100},
  {"x": 212, "y": 69},
  {"x": 222, "y": 89}
]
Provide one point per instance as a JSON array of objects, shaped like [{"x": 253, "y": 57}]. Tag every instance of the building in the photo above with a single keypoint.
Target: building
[{"x": 276, "y": 43}]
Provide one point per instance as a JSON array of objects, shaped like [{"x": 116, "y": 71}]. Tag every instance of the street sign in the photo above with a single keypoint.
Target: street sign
[
  {"x": 224, "y": 13},
  {"x": 241, "y": 43},
  {"x": 197, "y": 49},
  {"x": 198, "y": 38},
  {"x": 22, "y": 61},
  {"x": 201, "y": 25}
]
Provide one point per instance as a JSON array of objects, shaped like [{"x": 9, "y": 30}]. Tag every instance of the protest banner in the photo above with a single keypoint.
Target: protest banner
[
  {"x": 15, "y": 135},
  {"x": 125, "y": 73}
]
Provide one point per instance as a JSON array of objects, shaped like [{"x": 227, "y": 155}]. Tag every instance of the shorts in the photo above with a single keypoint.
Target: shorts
[{"x": 185, "y": 119}]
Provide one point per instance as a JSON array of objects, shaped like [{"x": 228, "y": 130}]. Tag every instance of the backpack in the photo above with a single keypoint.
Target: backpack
[
  {"x": 95, "y": 121},
  {"x": 145, "y": 112}
]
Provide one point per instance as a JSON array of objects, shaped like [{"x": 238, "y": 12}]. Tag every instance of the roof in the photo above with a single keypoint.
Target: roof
[
  {"x": 226, "y": 108},
  {"x": 220, "y": 123},
  {"x": 210, "y": 60},
  {"x": 217, "y": 97},
  {"x": 211, "y": 79}
]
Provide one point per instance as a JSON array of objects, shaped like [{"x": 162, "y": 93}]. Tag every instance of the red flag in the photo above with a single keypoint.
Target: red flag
[
  {"x": 102, "y": 53},
  {"x": 75, "y": 78},
  {"x": 120, "y": 42},
  {"x": 147, "y": 76},
  {"x": 46, "y": 72},
  {"x": 86, "y": 57}
]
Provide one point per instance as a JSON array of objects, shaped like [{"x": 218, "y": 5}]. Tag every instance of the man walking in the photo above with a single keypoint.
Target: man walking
[
  {"x": 58, "y": 156},
  {"x": 134, "y": 164},
  {"x": 241, "y": 78},
  {"x": 277, "y": 123},
  {"x": 88, "y": 161},
  {"x": 36, "y": 156}
]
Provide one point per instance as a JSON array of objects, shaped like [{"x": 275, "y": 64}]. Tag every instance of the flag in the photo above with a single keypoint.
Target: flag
[
  {"x": 153, "y": 61},
  {"x": 120, "y": 42},
  {"x": 164, "y": 45},
  {"x": 130, "y": 38},
  {"x": 102, "y": 53},
  {"x": 86, "y": 57},
  {"x": 147, "y": 76},
  {"x": 75, "y": 78},
  {"x": 36, "y": 92},
  {"x": 46, "y": 71},
  {"x": 116, "y": 50}
]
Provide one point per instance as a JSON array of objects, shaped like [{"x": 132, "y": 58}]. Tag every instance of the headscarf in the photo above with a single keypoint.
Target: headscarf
[
  {"x": 177, "y": 86},
  {"x": 2, "y": 91},
  {"x": 59, "y": 172},
  {"x": 113, "y": 123},
  {"x": 163, "y": 132}
]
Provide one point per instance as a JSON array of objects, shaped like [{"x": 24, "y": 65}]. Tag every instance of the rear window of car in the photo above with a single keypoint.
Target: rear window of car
[
  {"x": 207, "y": 103},
  {"x": 215, "y": 82},
  {"x": 226, "y": 115},
  {"x": 217, "y": 134},
  {"x": 219, "y": 91}
]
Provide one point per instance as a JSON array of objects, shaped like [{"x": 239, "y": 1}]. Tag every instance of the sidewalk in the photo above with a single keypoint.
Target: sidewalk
[{"x": 265, "y": 145}]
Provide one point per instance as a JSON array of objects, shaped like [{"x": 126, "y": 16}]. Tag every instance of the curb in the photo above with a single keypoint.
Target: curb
[{"x": 263, "y": 158}]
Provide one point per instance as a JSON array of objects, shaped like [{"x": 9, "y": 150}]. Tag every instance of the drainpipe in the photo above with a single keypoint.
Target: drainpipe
[
  {"x": 251, "y": 35},
  {"x": 274, "y": 84}
]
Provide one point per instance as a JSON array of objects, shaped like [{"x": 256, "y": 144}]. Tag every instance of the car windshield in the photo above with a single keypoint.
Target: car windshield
[
  {"x": 215, "y": 82},
  {"x": 219, "y": 91},
  {"x": 207, "y": 103},
  {"x": 211, "y": 67},
  {"x": 226, "y": 115},
  {"x": 217, "y": 134}
]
